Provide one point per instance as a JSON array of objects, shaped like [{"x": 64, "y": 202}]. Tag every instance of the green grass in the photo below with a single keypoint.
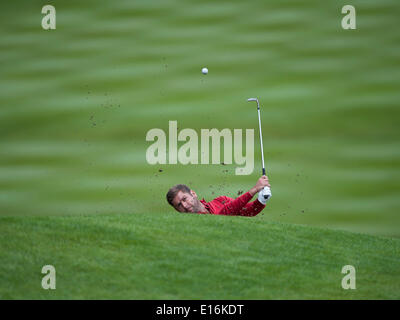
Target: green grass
[{"x": 178, "y": 256}]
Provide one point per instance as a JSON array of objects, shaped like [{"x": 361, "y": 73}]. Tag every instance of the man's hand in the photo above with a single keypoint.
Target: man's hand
[{"x": 261, "y": 183}]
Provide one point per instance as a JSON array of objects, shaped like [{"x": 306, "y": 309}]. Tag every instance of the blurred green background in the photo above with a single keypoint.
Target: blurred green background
[{"x": 77, "y": 102}]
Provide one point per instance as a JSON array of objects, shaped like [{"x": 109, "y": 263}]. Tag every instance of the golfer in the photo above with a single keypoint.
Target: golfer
[{"x": 183, "y": 199}]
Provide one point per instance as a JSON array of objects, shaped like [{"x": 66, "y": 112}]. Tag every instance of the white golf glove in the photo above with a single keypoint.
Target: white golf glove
[{"x": 264, "y": 195}]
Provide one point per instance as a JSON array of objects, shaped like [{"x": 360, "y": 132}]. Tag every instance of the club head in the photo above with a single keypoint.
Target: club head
[{"x": 254, "y": 99}]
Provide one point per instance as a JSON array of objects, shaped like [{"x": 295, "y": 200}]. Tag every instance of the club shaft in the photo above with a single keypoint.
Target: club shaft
[{"x": 261, "y": 140}]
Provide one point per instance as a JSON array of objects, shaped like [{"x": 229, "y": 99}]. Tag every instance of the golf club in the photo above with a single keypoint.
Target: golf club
[{"x": 267, "y": 190}]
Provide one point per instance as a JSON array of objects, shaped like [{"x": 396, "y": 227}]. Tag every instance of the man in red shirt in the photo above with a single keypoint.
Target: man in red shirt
[{"x": 183, "y": 199}]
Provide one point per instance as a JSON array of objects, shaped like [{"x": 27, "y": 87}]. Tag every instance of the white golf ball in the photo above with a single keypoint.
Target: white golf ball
[{"x": 204, "y": 70}]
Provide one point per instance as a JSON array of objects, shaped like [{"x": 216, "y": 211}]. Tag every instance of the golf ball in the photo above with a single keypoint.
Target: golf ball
[{"x": 204, "y": 70}]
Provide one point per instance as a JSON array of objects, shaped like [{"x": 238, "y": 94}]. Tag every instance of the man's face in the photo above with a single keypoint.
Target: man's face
[{"x": 186, "y": 202}]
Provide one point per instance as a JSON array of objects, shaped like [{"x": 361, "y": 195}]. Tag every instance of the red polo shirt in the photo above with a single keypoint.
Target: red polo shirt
[{"x": 234, "y": 207}]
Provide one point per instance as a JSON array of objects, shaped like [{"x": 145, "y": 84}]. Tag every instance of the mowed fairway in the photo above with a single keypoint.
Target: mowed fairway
[
  {"x": 177, "y": 256},
  {"x": 77, "y": 192}
]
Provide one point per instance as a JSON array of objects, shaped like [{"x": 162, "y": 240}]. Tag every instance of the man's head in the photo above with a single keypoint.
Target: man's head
[{"x": 183, "y": 199}]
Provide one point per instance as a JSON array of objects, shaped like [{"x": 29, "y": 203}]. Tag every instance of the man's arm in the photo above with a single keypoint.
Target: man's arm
[
  {"x": 234, "y": 207},
  {"x": 240, "y": 205},
  {"x": 252, "y": 209}
]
